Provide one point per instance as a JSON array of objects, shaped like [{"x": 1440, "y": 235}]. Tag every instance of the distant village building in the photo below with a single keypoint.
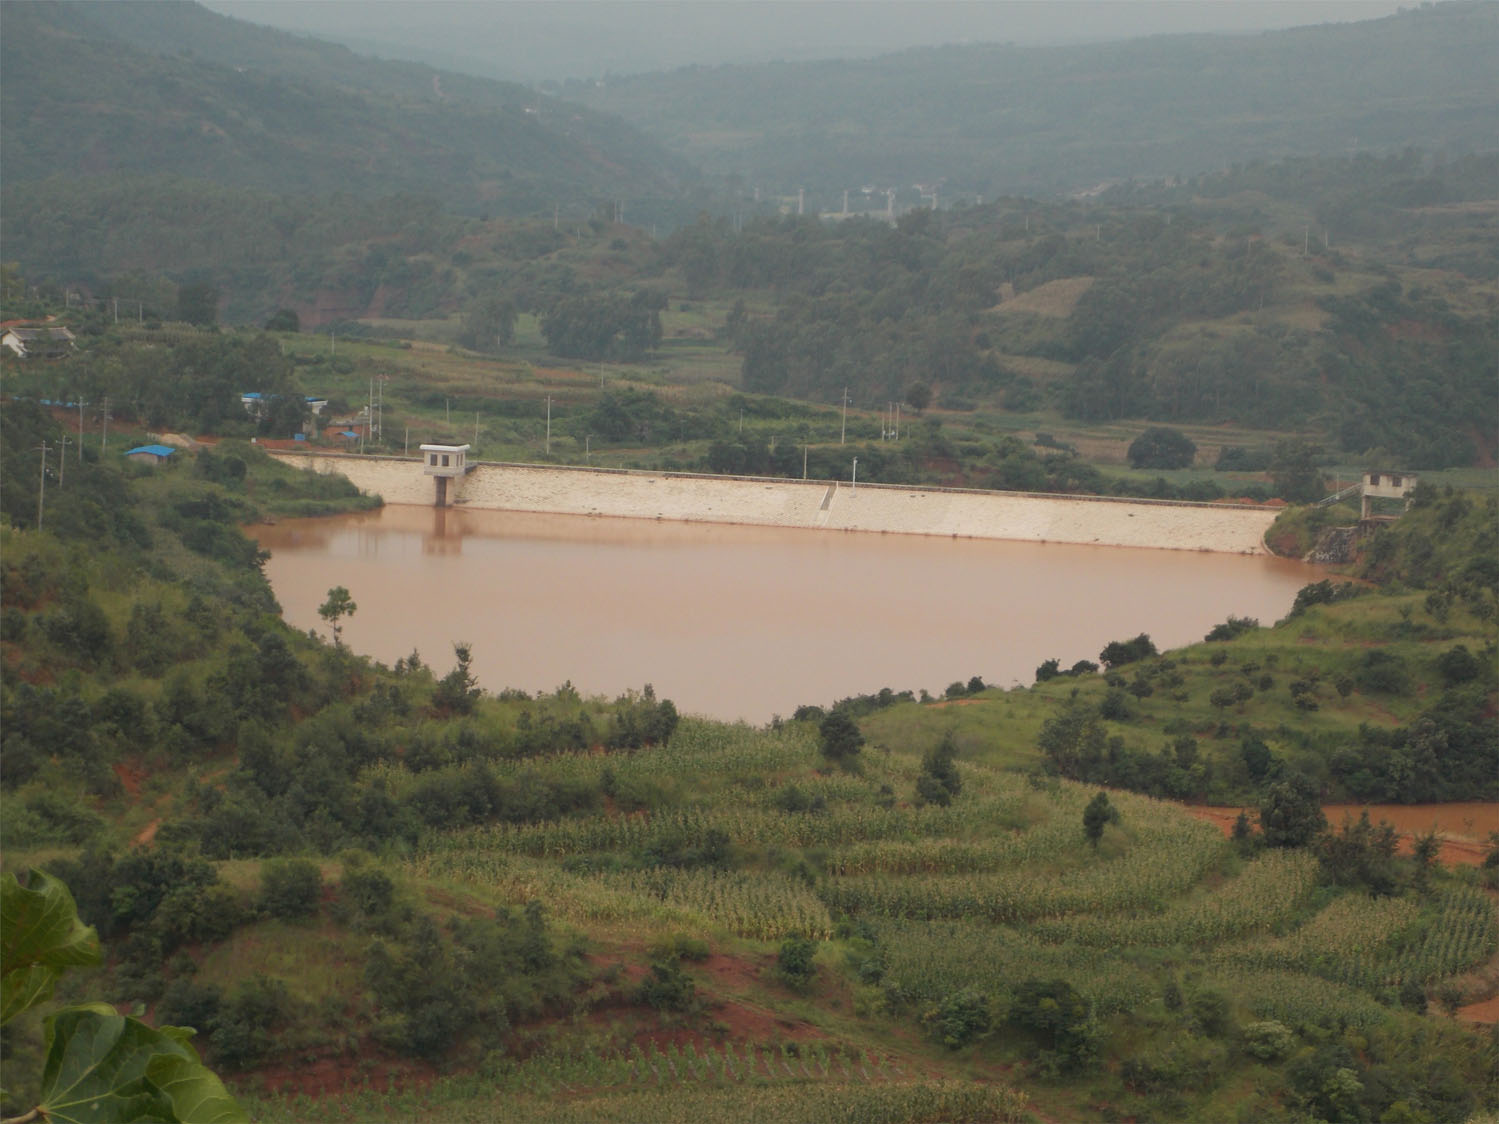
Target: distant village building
[
  {"x": 1386, "y": 486},
  {"x": 150, "y": 454},
  {"x": 37, "y": 343},
  {"x": 255, "y": 403}
]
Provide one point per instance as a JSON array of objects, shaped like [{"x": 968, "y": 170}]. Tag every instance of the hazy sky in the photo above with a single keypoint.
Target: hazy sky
[{"x": 536, "y": 40}]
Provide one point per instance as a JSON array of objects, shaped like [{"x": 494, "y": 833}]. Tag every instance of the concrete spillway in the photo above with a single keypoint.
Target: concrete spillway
[{"x": 815, "y": 504}]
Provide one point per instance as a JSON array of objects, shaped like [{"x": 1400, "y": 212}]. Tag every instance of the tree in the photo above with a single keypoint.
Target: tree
[
  {"x": 939, "y": 781},
  {"x": 487, "y": 323},
  {"x": 1294, "y": 472},
  {"x": 1162, "y": 447},
  {"x": 841, "y": 738},
  {"x": 198, "y": 303},
  {"x": 333, "y": 610},
  {"x": 284, "y": 320},
  {"x": 1096, "y": 816},
  {"x": 457, "y": 690},
  {"x": 919, "y": 396},
  {"x": 1127, "y": 651},
  {"x": 1291, "y": 815},
  {"x": 98, "y": 1065},
  {"x": 291, "y": 888}
]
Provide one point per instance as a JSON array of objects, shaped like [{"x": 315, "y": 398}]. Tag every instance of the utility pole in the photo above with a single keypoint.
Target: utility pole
[
  {"x": 897, "y": 421},
  {"x": 856, "y": 475},
  {"x": 549, "y": 425},
  {"x": 104, "y": 417},
  {"x": 41, "y": 494},
  {"x": 843, "y": 433},
  {"x": 406, "y": 452},
  {"x": 476, "y": 429},
  {"x": 447, "y": 406},
  {"x": 62, "y": 460},
  {"x": 81, "y": 405},
  {"x": 804, "y": 461}
]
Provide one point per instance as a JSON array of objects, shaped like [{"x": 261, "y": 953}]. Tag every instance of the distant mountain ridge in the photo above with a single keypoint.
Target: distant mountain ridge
[
  {"x": 998, "y": 119},
  {"x": 168, "y": 87}
]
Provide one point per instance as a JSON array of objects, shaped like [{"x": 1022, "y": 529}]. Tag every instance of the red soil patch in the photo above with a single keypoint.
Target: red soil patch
[
  {"x": 330, "y": 1074},
  {"x": 1455, "y": 851},
  {"x": 131, "y": 774},
  {"x": 146, "y": 834},
  {"x": 1485, "y": 1013}
]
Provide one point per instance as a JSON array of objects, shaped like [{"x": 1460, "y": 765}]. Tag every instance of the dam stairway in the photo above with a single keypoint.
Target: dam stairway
[{"x": 825, "y": 511}]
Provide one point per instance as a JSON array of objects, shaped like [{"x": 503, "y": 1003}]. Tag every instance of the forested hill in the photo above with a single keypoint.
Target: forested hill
[
  {"x": 992, "y": 119},
  {"x": 171, "y": 88}
]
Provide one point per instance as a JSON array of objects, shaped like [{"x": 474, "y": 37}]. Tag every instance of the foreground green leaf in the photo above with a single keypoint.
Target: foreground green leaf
[
  {"x": 41, "y": 936},
  {"x": 103, "y": 1068}
]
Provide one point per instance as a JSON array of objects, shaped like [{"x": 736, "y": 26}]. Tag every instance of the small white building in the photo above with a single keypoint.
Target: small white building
[
  {"x": 445, "y": 462},
  {"x": 1386, "y": 486},
  {"x": 37, "y": 343}
]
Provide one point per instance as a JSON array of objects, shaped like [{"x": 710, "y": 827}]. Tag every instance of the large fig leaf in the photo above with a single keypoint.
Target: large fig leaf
[
  {"x": 102, "y": 1068},
  {"x": 40, "y": 935}
]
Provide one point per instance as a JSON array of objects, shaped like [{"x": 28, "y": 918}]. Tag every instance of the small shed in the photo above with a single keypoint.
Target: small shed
[
  {"x": 1380, "y": 485},
  {"x": 445, "y": 462},
  {"x": 150, "y": 454}
]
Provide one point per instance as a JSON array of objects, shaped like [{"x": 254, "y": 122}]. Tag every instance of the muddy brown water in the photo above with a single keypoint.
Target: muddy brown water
[{"x": 744, "y": 622}]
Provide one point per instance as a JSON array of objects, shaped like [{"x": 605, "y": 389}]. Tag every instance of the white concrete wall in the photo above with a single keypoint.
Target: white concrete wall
[{"x": 796, "y": 503}]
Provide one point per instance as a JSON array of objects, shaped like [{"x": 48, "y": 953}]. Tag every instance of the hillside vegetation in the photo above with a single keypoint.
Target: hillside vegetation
[
  {"x": 982, "y": 120},
  {"x": 98, "y": 90},
  {"x": 382, "y": 891}
]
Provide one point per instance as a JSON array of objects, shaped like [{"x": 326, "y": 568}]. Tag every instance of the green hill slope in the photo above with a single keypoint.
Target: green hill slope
[
  {"x": 97, "y": 90},
  {"x": 992, "y": 119}
]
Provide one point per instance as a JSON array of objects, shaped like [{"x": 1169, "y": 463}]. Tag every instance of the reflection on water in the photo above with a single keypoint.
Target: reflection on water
[{"x": 744, "y": 622}]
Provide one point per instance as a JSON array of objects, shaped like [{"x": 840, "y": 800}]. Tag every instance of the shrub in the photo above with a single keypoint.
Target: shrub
[
  {"x": 841, "y": 737},
  {"x": 1268, "y": 1041},
  {"x": 960, "y": 1018},
  {"x": 1162, "y": 447},
  {"x": 1119, "y": 652},
  {"x": 667, "y": 988},
  {"x": 290, "y": 888},
  {"x": 1231, "y": 628},
  {"x": 795, "y": 961}
]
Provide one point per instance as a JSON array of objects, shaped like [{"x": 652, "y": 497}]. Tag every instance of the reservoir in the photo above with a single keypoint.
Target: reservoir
[{"x": 740, "y": 622}]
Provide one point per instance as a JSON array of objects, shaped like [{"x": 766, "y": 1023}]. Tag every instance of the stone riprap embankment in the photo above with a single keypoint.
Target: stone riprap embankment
[{"x": 834, "y": 506}]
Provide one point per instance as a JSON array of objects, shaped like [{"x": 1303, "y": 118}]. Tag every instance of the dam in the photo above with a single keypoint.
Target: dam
[{"x": 810, "y": 504}]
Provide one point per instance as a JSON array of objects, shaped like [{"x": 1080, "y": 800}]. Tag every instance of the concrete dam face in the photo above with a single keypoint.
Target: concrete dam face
[{"x": 810, "y": 504}]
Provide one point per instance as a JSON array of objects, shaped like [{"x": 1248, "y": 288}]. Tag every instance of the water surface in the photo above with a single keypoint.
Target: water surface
[{"x": 744, "y": 622}]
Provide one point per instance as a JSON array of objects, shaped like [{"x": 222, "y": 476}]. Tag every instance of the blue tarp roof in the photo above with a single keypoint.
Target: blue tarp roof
[
  {"x": 159, "y": 450},
  {"x": 348, "y": 433}
]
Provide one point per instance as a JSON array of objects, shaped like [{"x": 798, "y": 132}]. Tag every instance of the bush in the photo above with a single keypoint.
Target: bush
[
  {"x": 841, "y": 737},
  {"x": 960, "y": 1018},
  {"x": 1458, "y": 665},
  {"x": 1162, "y": 447},
  {"x": 667, "y": 988},
  {"x": 1127, "y": 651},
  {"x": 795, "y": 963},
  {"x": 1231, "y": 628},
  {"x": 290, "y": 888},
  {"x": 1268, "y": 1041}
]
